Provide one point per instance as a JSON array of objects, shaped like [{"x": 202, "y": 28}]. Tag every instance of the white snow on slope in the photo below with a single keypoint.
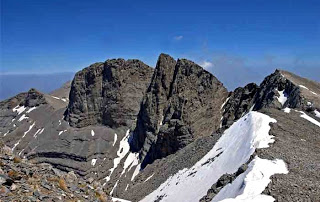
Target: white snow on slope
[
  {"x": 5, "y": 134},
  {"x": 302, "y": 86},
  {"x": 114, "y": 186},
  {"x": 30, "y": 127},
  {"x": 119, "y": 200},
  {"x": 287, "y": 110},
  {"x": 312, "y": 120},
  {"x": 122, "y": 152},
  {"x": 249, "y": 185},
  {"x": 235, "y": 147},
  {"x": 131, "y": 160},
  {"x": 115, "y": 139},
  {"x": 19, "y": 109},
  {"x": 62, "y": 131},
  {"x": 22, "y": 117},
  {"x": 136, "y": 172},
  {"x": 149, "y": 177},
  {"x": 92, "y": 133},
  {"x": 41, "y": 131},
  {"x": 24, "y": 134},
  {"x": 283, "y": 97},
  {"x": 308, "y": 89},
  {"x": 31, "y": 109},
  {"x": 317, "y": 113},
  {"x": 35, "y": 135},
  {"x": 225, "y": 102},
  {"x": 93, "y": 162}
]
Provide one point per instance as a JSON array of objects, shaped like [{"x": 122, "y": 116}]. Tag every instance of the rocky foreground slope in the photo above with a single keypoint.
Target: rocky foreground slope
[{"x": 173, "y": 133}]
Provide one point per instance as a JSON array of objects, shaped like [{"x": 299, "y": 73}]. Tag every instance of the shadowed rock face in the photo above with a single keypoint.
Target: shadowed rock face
[
  {"x": 108, "y": 93},
  {"x": 253, "y": 97},
  {"x": 182, "y": 103},
  {"x": 238, "y": 103}
]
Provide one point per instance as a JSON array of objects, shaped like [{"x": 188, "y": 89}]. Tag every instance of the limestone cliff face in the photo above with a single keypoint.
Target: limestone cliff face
[
  {"x": 182, "y": 103},
  {"x": 108, "y": 93}
]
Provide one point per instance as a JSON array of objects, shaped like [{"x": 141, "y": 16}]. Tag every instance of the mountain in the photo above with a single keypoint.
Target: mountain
[
  {"x": 12, "y": 84},
  {"x": 126, "y": 131}
]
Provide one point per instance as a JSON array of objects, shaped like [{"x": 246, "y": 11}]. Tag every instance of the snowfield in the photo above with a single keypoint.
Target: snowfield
[
  {"x": 249, "y": 185},
  {"x": 233, "y": 149}
]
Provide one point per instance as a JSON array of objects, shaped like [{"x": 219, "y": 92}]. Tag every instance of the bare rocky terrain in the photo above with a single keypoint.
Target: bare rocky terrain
[{"x": 121, "y": 129}]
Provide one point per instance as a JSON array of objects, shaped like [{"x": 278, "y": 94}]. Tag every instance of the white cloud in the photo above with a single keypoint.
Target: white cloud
[
  {"x": 178, "y": 38},
  {"x": 206, "y": 64}
]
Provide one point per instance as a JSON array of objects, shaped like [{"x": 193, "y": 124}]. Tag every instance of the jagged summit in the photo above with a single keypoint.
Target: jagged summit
[{"x": 181, "y": 102}]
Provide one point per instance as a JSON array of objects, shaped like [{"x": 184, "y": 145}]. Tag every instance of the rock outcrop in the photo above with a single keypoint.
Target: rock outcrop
[
  {"x": 108, "y": 93},
  {"x": 32, "y": 98},
  {"x": 275, "y": 91},
  {"x": 182, "y": 103}
]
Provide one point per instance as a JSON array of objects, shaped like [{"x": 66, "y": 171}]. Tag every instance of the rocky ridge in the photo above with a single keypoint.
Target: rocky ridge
[{"x": 175, "y": 113}]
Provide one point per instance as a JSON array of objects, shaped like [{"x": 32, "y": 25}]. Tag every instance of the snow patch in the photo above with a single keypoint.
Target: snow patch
[
  {"x": 115, "y": 185},
  {"x": 24, "y": 134},
  {"x": 249, "y": 185},
  {"x": 93, "y": 162},
  {"x": 149, "y": 177},
  {"x": 136, "y": 172},
  {"x": 287, "y": 110},
  {"x": 161, "y": 120},
  {"x": 92, "y": 133},
  {"x": 19, "y": 109},
  {"x": 225, "y": 102},
  {"x": 124, "y": 148},
  {"x": 312, "y": 120},
  {"x": 30, "y": 127},
  {"x": 41, "y": 131},
  {"x": 119, "y": 200},
  {"x": 115, "y": 139},
  {"x": 20, "y": 152},
  {"x": 233, "y": 149},
  {"x": 282, "y": 97},
  {"x": 35, "y": 135},
  {"x": 303, "y": 87},
  {"x": 5, "y": 134},
  {"x": 22, "y": 117},
  {"x": 62, "y": 131},
  {"x": 31, "y": 109},
  {"x": 131, "y": 160},
  {"x": 317, "y": 113},
  {"x": 308, "y": 89}
]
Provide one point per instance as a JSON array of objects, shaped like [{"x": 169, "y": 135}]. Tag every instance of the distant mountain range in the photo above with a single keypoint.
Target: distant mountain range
[{"x": 12, "y": 84}]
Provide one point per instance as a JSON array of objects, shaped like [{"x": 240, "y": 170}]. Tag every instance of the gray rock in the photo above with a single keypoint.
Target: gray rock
[
  {"x": 182, "y": 103},
  {"x": 108, "y": 93}
]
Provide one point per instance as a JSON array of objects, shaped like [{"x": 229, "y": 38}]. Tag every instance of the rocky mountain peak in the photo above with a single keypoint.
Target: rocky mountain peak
[
  {"x": 107, "y": 93},
  {"x": 34, "y": 98},
  {"x": 177, "y": 108}
]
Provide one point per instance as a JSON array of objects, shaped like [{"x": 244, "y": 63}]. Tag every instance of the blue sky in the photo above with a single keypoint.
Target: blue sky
[{"x": 238, "y": 41}]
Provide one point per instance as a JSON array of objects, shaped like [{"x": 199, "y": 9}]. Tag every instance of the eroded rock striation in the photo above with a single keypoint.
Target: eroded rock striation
[
  {"x": 182, "y": 103},
  {"x": 108, "y": 93}
]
